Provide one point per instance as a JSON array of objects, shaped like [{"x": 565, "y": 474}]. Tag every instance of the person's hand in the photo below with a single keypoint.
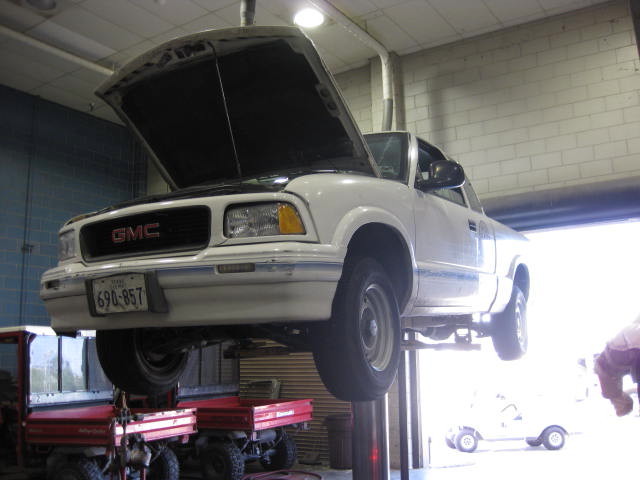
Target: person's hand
[{"x": 623, "y": 404}]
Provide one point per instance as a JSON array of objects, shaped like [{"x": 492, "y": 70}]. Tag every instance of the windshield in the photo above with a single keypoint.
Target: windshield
[
  {"x": 390, "y": 153},
  {"x": 269, "y": 96}
]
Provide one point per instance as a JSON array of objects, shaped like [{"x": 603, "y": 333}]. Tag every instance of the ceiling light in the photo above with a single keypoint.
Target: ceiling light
[
  {"x": 42, "y": 4},
  {"x": 308, "y": 18}
]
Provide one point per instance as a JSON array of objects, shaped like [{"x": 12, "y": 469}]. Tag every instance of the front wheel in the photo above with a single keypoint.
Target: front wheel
[
  {"x": 358, "y": 350},
  {"x": 81, "y": 469},
  {"x": 165, "y": 466},
  {"x": 509, "y": 328},
  {"x": 222, "y": 461},
  {"x": 284, "y": 456},
  {"x": 128, "y": 360}
]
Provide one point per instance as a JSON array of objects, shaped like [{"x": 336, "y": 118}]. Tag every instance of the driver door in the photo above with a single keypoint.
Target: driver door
[{"x": 445, "y": 244}]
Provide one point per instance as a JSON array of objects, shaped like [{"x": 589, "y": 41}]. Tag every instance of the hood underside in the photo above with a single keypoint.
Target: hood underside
[{"x": 237, "y": 103}]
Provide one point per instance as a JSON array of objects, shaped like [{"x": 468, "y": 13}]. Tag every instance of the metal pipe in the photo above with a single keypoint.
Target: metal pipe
[
  {"x": 403, "y": 416},
  {"x": 45, "y": 47},
  {"x": 247, "y": 13},
  {"x": 417, "y": 460},
  {"x": 381, "y": 50},
  {"x": 370, "y": 442}
]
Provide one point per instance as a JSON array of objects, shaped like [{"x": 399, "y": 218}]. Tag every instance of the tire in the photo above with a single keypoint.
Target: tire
[
  {"x": 222, "y": 461},
  {"x": 80, "y": 469},
  {"x": 553, "y": 438},
  {"x": 534, "y": 442},
  {"x": 466, "y": 440},
  {"x": 449, "y": 443},
  {"x": 165, "y": 466},
  {"x": 358, "y": 350},
  {"x": 284, "y": 457},
  {"x": 126, "y": 360},
  {"x": 509, "y": 328}
]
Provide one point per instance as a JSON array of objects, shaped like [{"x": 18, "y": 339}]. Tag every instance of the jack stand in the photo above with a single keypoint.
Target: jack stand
[{"x": 370, "y": 440}]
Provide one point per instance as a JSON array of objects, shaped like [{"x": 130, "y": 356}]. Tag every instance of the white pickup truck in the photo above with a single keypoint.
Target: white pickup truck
[{"x": 284, "y": 222}]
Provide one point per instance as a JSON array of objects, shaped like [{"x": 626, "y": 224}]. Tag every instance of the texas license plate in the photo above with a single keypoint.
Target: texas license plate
[{"x": 120, "y": 293}]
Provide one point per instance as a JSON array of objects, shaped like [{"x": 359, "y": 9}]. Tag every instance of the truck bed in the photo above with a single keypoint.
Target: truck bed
[
  {"x": 234, "y": 413},
  {"x": 100, "y": 425}
]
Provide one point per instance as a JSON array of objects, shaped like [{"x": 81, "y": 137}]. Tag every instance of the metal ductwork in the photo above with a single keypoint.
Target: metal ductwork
[
  {"x": 247, "y": 13},
  {"x": 613, "y": 200},
  {"x": 381, "y": 50}
]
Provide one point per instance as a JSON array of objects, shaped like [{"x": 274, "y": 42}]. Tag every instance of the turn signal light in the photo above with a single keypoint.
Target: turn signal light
[{"x": 289, "y": 220}]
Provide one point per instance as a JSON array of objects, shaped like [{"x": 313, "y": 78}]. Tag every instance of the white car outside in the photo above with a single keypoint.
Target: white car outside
[{"x": 542, "y": 424}]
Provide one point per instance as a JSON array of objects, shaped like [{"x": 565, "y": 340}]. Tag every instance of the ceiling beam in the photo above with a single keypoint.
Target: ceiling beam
[{"x": 58, "y": 52}]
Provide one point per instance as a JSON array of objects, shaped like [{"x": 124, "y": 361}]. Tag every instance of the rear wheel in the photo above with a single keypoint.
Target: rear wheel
[
  {"x": 128, "y": 360},
  {"x": 284, "y": 456},
  {"x": 358, "y": 350},
  {"x": 222, "y": 461},
  {"x": 509, "y": 328},
  {"x": 81, "y": 469},
  {"x": 466, "y": 440},
  {"x": 553, "y": 438}
]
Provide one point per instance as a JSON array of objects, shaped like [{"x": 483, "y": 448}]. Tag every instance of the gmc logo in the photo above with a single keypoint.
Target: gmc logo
[{"x": 130, "y": 234}]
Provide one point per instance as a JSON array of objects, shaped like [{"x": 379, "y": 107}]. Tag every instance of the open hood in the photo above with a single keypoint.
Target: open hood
[{"x": 237, "y": 103}]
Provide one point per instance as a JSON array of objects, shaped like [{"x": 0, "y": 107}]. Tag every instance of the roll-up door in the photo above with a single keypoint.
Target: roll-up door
[{"x": 571, "y": 205}]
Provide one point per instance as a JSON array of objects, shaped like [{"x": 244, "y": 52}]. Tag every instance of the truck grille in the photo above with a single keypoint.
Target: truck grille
[{"x": 149, "y": 233}]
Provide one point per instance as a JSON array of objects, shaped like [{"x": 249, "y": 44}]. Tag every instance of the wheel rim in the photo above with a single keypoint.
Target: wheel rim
[
  {"x": 467, "y": 442},
  {"x": 155, "y": 361},
  {"x": 555, "y": 439},
  {"x": 376, "y": 331}
]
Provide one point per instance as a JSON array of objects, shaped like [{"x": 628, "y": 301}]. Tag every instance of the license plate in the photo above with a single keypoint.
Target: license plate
[{"x": 120, "y": 293}]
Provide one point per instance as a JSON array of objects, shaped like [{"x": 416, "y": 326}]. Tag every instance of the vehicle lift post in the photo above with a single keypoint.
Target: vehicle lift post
[{"x": 370, "y": 440}]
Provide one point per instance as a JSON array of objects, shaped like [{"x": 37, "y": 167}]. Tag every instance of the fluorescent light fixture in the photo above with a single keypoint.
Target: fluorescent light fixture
[{"x": 308, "y": 18}]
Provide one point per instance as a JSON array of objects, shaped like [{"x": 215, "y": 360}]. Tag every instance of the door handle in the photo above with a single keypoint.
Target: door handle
[{"x": 473, "y": 226}]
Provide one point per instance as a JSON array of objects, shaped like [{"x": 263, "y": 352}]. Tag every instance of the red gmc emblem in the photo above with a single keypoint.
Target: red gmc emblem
[{"x": 130, "y": 234}]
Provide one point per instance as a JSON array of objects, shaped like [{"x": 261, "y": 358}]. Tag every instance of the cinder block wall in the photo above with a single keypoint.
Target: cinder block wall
[
  {"x": 356, "y": 89},
  {"x": 54, "y": 163},
  {"x": 543, "y": 105}
]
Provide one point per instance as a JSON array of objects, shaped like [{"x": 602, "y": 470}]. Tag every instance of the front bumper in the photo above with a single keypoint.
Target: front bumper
[{"x": 292, "y": 282}]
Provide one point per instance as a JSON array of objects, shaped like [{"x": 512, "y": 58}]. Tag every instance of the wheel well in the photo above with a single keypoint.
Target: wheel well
[
  {"x": 386, "y": 245},
  {"x": 472, "y": 430},
  {"x": 521, "y": 279},
  {"x": 564, "y": 430}
]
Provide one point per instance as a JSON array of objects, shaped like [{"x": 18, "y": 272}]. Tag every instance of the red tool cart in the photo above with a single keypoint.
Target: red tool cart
[
  {"x": 233, "y": 431},
  {"x": 57, "y": 415}
]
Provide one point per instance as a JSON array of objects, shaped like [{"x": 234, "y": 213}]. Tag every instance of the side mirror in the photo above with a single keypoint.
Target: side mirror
[{"x": 442, "y": 174}]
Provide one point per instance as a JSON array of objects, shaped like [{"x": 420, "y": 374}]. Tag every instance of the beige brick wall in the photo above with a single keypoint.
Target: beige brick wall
[{"x": 542, "y": 105}]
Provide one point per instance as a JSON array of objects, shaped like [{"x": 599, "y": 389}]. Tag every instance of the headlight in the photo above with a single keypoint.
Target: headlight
[
  {"x": 262, "y": 220},
  {"x": 66, "y": 245}
]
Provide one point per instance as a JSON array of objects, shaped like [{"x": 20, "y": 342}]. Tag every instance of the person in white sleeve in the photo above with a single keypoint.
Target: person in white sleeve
[{"x": 620, "y": 357}]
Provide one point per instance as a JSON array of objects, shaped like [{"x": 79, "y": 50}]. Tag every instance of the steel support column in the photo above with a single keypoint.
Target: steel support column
[
  {"x": 370, "y": 442},
  {"x": 403, "y": 416},
  {"x": 417, "y": 460}
]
